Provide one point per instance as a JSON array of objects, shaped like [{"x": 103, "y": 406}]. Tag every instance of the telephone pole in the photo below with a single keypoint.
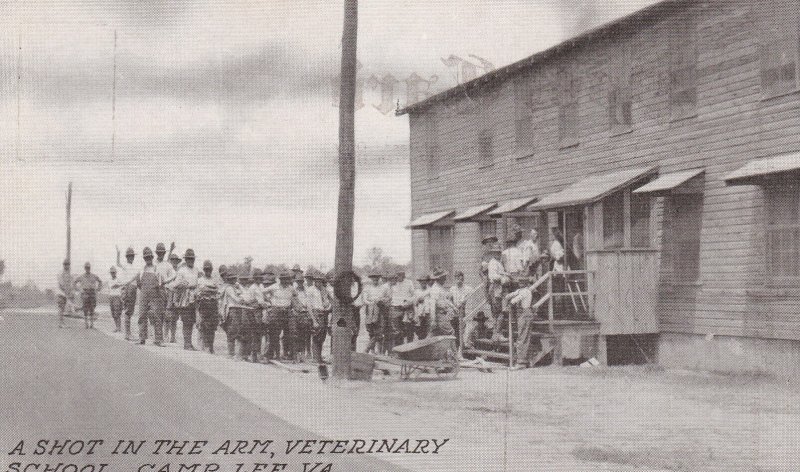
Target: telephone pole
[
  {"x": 69, "y": 221},
  {"x": 343, "y": 266}
]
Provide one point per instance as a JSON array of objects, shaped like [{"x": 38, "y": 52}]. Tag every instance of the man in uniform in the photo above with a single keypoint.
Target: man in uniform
[
  {"x": 402, "y": 311},
  {"x": 127, "y": 276},
  {"x": 65, "y": 291},
  {"x": 301, "y": 322},
  {"x": 170, "y": 313},
  {"x": 282, "y": 297},
  {"x": 441, "y": 306},
  {"x": 459, "y": 292},
  {"x": 151, "y": 308},
  {"x": 376, "y": 303},
  {"x": 115, "y": 299},
  {"x": 166, "y": 271},
  {"x": 496, "y": 278},
  {"x": 422, "y": 318},
  {"x": 207, "y": 307},
  {"x": 521, "y": 300},
  {"x": 185, "y": 291},
  {"x": 88, "y": 284},
  {"x": 320, "y": 306},
  {"x": 230, "y": 308},
  {"x": 252, "y": 295}
]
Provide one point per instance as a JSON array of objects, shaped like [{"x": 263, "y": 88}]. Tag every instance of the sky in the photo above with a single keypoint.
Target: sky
[{"x": 213, "y": 123}]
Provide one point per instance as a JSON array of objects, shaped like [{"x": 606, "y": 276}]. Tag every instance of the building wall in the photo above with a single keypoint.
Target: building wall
[{"x": 733, "y": 125}]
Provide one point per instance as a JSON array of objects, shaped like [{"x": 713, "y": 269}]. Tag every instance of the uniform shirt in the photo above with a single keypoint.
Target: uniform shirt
[
  {"x": 185, "y": 285},
  {"x": 251, "y": 295},
  {"x": 402, "y": 293},
  {"x": 495, "y": 271},
  {"x": 439, "y": 298},
  {"x": 373, "y": 294},
  {"x": 88, "y": 283},
  {"x": 206, "y": 287},
  {"x": 127, "y": 273},
  {"x": 65, "y": 284},
  {"x": 420, "y": 302},
  {"x": 281, "y": 297},
  {"x": 530, "y": 251},
  {"x": 512, "y": 260},
  {"x": 114, "y": 287},
  {"x": 318, "y": 299},
  {"x": 230, "y": 298},
  {"x": 460, "y": 294},
  {"x": 302, "y": 301},
  {"x": 557, "y": 253},
  {"x": 165, "y": 270}
]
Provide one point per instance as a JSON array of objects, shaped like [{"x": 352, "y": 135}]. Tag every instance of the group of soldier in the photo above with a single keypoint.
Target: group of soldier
[{"x": 268, "y": 316}]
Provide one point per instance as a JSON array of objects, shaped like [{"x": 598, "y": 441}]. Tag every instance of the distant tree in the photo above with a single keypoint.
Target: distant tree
[
  {"x": 377, "y": 261},
  {"x": 2, "y": 268}
]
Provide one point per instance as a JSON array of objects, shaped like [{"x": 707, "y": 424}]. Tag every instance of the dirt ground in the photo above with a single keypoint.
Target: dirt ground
[{"x": 563, "y": 419}]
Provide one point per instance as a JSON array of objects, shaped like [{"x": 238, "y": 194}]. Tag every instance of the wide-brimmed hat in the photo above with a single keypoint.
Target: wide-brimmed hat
[
  {"x": 147, "y": 253},
  {"x": 423, "y": 278},
  {"x": 297, "y": 268},
  {"x": 174, "y": 257},
  {"x": 113, "y": 269},
  {"x": 207, "y": 265},
  {"x": 438, "y": 274},
  {"x": 160, "y": 249},
  {"x": 489, "y": 239},
  {"x": 130, "y": 252},
  {"x": 285, "y": 276},
  {"x": 189, "y": 254},
  {"x": 374, "y": 274},
  {"x": 66, "y": 262}
]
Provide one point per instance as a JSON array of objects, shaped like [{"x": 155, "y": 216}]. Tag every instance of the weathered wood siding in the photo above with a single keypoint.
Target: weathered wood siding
[{"x": 733, "y": 125}]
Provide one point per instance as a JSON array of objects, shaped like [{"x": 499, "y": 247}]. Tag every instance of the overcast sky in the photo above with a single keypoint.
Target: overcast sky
[{"x": 222, "y": 119}]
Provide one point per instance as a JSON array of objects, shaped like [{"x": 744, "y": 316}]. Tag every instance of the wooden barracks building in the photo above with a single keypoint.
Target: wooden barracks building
[{"x": 666, "y": 146}]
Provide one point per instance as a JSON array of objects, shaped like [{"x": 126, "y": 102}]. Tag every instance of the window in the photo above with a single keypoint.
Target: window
[
  {"x": 431, "y": 145},
  {"x": 683, "y": 67},
  {"x": 640, "y": 220},
  {"x": 440, "y": 248},
  {"x": 485, "y": 148},
  {"x": 684, "y": 220},
  {"x": 620, "y": 101},
  {"x": 523, "y": 116},
  {"x": 783, "y": 231},
  {"x": 779, "y": 47},
  {"x": 613, "y": 221},
  {"x": 568, "y": 88},
  {"x": 488, "y": 228}
]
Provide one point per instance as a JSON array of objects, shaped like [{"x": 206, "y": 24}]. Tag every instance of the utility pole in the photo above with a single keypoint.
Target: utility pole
[
  {"x": 69, "y": 221},
  {"x": 343, "y": 265}
]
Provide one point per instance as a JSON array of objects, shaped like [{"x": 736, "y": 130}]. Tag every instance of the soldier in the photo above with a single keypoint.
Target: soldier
[
  {"x": 522, "y": 299},
  {"x": 441, "y": 306},
  {"x": 496, "y": 277},
  {"x": 401, "y": 312},
  {"x": 267, "y": 280},
  {"x": 88, "y": 284},
  {"x": 301, "y": 322},
  {"x": 151, "y": 308},
  {"x": 252, "y": 319},
  {"x": 320, "y": 306},
  {"x": 230, "y": 308},
  {"x": 376, "y": 302},
  {"x": 115, "y": 299},
  {"x": 170, "y": 313},
  {"x": 459, "y": 292},
  {"x": 167, "y": 273},
  {"x": 184, "y": 286},
  {"x": 207, "y": 307},
  {"x": 127, "y": 276},
  {"x": 422, "y": 317},
  {"x": 282, "y": 297},
  {"x": 65, "y": 291}
]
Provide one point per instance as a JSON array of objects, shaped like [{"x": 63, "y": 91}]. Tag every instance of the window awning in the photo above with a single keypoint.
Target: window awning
[
  {"x": 593, "y": 188},
  {"x": 759, "y": 169},
  {"x": 668, "y": 182},
  {"x": 430, "y": 219},
  {"x": 512, "y": 205},
  {"x": 474, "y": 212}
]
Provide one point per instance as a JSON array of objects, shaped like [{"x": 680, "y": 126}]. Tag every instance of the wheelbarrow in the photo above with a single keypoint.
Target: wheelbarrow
[{"x": 438, "y": 354}]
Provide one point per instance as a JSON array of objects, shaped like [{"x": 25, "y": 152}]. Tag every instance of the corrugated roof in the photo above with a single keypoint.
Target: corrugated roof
[
  {"x": 429, "y": 219},
  {"x": 635, "y": 19},
  {"x": 593, "y": 188},
  {"x": 473, "y": 212},
  {"x": 759, "y": 168},
  {"x": 669, "y": 181},
  {"x": 512, "y": 205}
]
